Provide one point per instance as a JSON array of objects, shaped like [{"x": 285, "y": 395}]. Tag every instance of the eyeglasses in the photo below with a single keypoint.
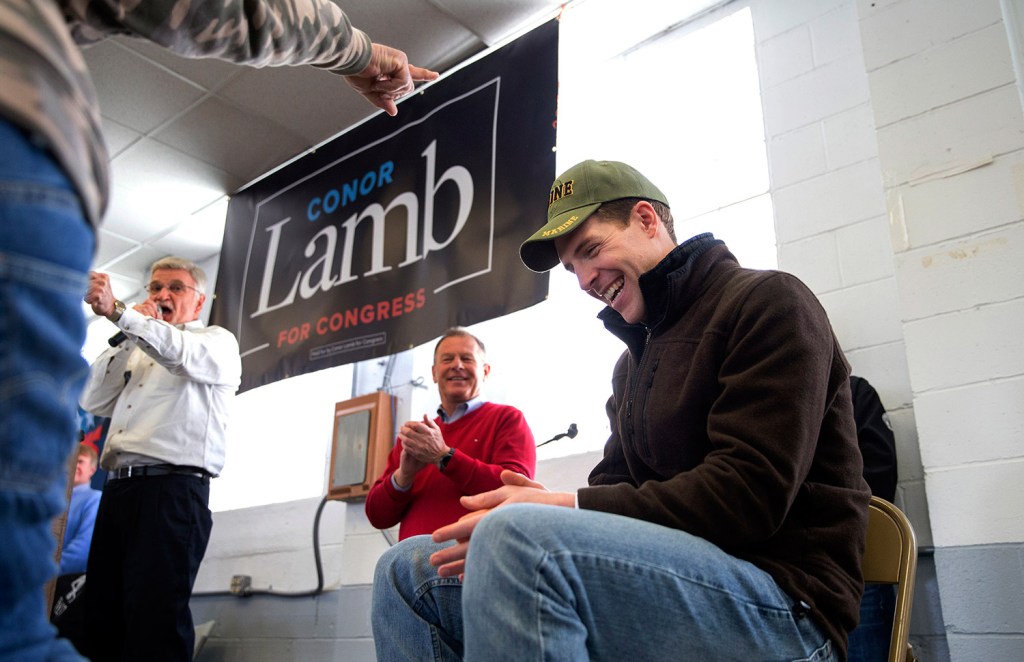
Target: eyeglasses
[{"x": 176, "y": 287}]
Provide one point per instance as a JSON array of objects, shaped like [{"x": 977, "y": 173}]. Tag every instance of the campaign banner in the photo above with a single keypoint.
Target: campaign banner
[{"x": 399, "y": 228}]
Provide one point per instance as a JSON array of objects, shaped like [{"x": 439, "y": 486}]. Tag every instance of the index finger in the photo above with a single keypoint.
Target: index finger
[
  {"x": 450, "y": 560},
  {"x": 420, "y": 73},
  {"x": 509, "y": 477},
  {"x": 461, "y": 529}
]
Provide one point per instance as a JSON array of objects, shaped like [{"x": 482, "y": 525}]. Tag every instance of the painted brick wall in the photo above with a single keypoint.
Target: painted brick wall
[{"x": 946, "y": 105}]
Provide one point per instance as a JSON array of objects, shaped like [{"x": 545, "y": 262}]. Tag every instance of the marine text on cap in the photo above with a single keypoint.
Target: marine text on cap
[{"x": 560, "y": 191}]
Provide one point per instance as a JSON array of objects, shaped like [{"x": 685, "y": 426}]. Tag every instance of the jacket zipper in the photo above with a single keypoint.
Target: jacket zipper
[{"x": 636, "y": 386}]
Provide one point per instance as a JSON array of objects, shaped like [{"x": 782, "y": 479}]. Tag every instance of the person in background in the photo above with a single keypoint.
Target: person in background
[
  {"x": 81, "y": 513},
  {"x": 869, "y": 642},
  {"x": 95, "y": 437},
  {"x": 463, "y": 451},
  {"x": 68, "y": 615},
  {"x": 54, "y": 189},
  {"x": 168, "y": 388},
  {"x": 727, "y": 518}
]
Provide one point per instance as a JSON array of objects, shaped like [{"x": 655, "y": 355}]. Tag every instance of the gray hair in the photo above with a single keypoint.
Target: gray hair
[{"x": 175, "y": 262}]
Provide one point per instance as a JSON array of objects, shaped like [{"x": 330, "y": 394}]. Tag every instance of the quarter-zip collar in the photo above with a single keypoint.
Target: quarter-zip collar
[{"x": 664, "y": 289}]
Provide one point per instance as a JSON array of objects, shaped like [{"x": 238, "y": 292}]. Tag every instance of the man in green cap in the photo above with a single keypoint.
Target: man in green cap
[{"x": 726, "y": 520}]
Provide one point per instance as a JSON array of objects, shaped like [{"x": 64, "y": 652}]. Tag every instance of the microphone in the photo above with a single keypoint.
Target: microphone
[
  {"x": 117, "y": 339},
  {"x": 571, "y": 433},
  {"x": 121, "y": 336}
]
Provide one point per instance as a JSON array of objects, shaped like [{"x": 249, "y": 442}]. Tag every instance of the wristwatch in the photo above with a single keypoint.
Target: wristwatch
[
  {"x": 118, "y": 311},
  {"x": 443, "y": 462}
]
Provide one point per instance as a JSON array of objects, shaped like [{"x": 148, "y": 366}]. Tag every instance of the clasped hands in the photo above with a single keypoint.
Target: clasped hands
[
  {"x": 517, "y": 488},
  {"x": 422, "y": 441},
  {"x": 422, "y": 445}
]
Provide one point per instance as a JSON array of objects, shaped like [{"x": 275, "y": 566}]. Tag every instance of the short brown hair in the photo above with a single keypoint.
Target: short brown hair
[{"x": 619, "y": 210}]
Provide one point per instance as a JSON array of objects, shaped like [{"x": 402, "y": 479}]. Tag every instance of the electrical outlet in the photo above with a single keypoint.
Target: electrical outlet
[{"x": 241, "y": 584}]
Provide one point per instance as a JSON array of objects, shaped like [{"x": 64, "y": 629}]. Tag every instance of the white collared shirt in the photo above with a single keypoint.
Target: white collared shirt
[
  {"x": 168, "y": 391},
  {"x": 461, "y": 409}
]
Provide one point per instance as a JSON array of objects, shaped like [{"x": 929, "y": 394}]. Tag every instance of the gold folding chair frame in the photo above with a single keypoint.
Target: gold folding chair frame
[{"x": 890, "y": 557}]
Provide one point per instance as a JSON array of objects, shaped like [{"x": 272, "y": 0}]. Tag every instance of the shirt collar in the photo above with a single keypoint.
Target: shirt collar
[{"x": 461, "y": 409}]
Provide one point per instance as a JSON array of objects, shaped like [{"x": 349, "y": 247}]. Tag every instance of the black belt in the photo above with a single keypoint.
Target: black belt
[{"x": 145, "y": 470}]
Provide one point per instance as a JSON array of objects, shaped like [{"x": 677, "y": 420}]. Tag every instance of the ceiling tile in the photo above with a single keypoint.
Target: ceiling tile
[
  {"x": 235, "y": 140},
  {"x": 157, "y": 187},
  {"x": 132, "y": 270},
  {"x": 429, "y": 35},
  {"x": 200, "y": 236},
  {"x": 312, "y": 103},
  {"x": 207, "y": 73},
  {"x": 110, "y": 247},
  {"x": 134, "y": 92},
  {"x": 118, "y": 136}
]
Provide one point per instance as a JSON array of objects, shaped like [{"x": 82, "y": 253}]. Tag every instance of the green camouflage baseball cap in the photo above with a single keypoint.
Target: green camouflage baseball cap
[{"x": 577, "y": 194}]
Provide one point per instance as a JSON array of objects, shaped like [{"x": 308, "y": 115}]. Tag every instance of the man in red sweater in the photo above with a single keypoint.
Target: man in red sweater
[{"x": 461, "y": 452}]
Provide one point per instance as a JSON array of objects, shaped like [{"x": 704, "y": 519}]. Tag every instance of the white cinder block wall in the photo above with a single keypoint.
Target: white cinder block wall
[
  {"x": 947, "y": 107},
  {"x": 894, "y": 134}
]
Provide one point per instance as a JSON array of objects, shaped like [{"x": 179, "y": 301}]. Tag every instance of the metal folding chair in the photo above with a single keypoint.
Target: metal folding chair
[{"x": 890, "y": 557}]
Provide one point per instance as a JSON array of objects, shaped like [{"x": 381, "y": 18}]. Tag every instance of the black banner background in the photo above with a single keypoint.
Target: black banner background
[{"x": 399, "y": 228}]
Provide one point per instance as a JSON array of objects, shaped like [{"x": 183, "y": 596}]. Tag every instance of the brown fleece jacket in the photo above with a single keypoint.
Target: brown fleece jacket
[{"x": 731, "y": 419}]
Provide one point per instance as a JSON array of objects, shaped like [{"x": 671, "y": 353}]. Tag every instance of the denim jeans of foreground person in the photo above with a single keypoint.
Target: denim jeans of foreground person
[
  {"x": 45, "y": 250},
  {"x": 552, "y": 583}
]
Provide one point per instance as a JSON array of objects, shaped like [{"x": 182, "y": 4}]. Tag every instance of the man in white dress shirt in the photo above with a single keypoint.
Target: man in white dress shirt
[{"x": 168, "y": 387}]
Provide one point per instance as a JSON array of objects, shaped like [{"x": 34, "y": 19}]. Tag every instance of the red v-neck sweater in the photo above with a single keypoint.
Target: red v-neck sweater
[{"x": 486, "y": 441}]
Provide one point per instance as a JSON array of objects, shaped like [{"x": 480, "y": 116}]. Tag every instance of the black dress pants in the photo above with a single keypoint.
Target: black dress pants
[
  {"x": 150, "y": 537},
  {"x": 68, "y": 612}
]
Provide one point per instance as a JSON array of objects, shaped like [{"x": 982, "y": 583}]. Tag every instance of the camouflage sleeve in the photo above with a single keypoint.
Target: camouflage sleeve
[{"x": 254, "y": 32}]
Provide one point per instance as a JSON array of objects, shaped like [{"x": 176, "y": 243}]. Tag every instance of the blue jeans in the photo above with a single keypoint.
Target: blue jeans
[
  {"x": 551, "y": 583},
  {"x": 869, "y": 641},
  {"x": 45, "y": 250}
]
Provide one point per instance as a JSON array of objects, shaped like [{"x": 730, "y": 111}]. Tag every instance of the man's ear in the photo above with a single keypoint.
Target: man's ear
[{"x": 649, "y": 220}]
